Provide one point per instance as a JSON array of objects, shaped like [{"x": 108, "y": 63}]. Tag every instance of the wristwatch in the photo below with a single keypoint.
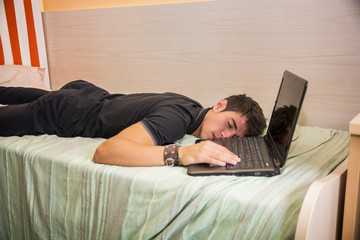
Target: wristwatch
[{"x": 171, "y": 155}]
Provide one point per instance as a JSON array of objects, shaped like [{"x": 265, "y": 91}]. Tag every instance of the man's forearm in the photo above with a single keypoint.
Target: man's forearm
[{"x": 126, "y": 153}]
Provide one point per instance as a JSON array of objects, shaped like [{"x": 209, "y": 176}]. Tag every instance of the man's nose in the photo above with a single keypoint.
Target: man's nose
[{"x": 228, "y": 134}]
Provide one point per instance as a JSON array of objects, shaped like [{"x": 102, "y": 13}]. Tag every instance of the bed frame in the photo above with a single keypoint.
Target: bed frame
[
  {"x": 351, "y": 224},
  {"x": 322, "y": 210},
  {"x": 323, "y": 214}
]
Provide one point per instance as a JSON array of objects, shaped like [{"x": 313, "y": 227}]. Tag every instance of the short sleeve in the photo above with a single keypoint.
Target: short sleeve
[{"x": 167, "y": 125}]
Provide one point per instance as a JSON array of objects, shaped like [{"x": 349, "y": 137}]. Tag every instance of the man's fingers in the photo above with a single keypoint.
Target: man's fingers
[
  {"x": 208, "y": 152},
  {"x": 222, "y": 154}
]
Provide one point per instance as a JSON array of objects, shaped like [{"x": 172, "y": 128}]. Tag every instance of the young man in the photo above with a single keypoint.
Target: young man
[{"x": 137, "y": 125}]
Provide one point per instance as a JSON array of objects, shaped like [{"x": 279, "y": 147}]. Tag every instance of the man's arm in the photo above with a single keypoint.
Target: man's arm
[{"x": 134, "y": 147}]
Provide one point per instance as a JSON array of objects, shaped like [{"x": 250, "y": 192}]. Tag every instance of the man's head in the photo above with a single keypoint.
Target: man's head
[
  {"x": 249, "y": 108},
  {"x": 237, "y": 115}
]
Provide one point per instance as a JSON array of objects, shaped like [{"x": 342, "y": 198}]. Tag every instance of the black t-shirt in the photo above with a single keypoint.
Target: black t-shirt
[{"x": 92, "y": 112}]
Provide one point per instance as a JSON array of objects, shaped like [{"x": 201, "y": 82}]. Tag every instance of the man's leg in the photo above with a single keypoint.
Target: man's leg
[
  {"x": 37, "y": 117},
  {"x": 18, "y": 95},
  {"x": 16, "y": 120}
]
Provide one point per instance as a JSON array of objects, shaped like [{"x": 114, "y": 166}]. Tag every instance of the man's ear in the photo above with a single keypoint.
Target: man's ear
[{"x": 220, "y": 106}]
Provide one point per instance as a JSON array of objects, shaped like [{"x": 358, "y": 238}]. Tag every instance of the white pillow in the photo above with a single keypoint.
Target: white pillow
[{"x": 22, "y": 76}]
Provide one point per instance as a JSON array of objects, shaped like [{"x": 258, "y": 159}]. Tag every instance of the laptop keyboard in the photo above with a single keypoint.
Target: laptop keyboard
[{"x": 248, "y": 150}]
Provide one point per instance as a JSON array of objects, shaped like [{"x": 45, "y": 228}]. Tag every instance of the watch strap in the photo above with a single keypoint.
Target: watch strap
[{"x": 171, "y": 155}]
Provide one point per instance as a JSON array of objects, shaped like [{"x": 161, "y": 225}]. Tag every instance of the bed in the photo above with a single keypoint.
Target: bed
[{"x": 51, "y": 189}]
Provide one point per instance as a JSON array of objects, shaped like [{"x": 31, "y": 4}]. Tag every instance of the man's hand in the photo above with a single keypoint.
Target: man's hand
[{"x": 207, "y": 152}]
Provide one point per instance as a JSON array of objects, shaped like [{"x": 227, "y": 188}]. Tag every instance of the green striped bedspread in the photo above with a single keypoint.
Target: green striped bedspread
[{"x": 51, "y": 189}]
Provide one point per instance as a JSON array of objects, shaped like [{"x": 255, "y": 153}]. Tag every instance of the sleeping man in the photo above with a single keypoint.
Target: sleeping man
[{"x": 138, "y": 127}]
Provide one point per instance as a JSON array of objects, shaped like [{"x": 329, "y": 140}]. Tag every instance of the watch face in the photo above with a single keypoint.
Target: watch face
[{"x": 170, "y": 161}]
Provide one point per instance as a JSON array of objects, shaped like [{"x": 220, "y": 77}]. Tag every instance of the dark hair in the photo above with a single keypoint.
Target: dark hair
[{"x": 246, "y": 106}]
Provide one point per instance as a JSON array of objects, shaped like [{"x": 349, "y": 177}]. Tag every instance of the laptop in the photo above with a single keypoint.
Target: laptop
[{"x": 264, "y": 155}]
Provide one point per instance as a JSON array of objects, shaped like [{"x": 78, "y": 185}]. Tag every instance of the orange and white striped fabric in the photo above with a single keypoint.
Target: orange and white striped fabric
[{"x": 21, "y": 34}]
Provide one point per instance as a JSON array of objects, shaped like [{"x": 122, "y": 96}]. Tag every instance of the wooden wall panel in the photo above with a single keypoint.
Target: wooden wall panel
[
  {"x": 56, "y": 5},
  {"x": 209, "y": 50}
]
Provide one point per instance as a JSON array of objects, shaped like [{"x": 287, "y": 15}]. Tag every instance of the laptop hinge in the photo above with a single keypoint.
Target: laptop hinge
[{"x": 272, "y": 148}]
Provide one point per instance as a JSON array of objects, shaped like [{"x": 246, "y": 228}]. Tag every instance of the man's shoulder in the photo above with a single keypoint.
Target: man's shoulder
[{"x": 181, "y": 97}]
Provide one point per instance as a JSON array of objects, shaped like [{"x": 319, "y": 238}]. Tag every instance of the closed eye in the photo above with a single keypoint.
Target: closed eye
[{"x": 234, "y": 124}]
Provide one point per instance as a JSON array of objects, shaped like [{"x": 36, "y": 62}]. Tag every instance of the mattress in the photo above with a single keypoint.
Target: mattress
[{"x": 51, "y": 188}]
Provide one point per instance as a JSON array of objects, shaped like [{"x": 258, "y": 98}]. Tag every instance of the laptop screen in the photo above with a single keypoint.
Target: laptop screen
[{"x": 286, "y": 113}]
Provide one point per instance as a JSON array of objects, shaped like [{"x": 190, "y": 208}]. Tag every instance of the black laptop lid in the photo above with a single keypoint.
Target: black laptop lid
[{"x": 285, "y": 115}]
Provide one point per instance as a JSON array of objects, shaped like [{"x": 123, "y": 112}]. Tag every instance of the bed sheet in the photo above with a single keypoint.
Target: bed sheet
[{"x": 51, "y": 189}]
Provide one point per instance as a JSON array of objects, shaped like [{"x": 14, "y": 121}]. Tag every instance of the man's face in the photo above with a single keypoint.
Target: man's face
[{"x": 220, "y": 124}]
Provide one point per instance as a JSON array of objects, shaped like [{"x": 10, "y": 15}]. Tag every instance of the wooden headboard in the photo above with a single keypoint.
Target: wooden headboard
[{"x": 209, "y": 50}]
